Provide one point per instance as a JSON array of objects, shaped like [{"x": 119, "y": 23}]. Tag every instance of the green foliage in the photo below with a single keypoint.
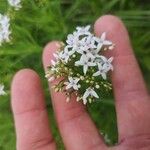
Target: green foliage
[{"x": 40, "y": 21}]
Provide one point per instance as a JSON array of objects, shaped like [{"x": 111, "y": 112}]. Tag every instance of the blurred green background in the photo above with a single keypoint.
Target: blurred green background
[{"x": 40, "y": 21}]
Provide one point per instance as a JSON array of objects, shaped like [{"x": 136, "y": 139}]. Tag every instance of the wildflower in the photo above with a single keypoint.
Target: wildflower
[
  {"x": 2, "y": 92},
  {"x": 107, "y": 63},
  {"x": 81, "y": 67},
  {"x": 73, "y": 83},
  {"x": 83, "y": 30},
  {"x": 4, "y": 29},
  {"x": 101, "y": 71},
  {"x": 65, "y": 55},
  {"x": 73, "y": 40},
  {"x": 88, "y": 42},
  {"x": 15, "y": 3},
  {"x": 85, "y": 62},
  {"x": 102, "y": 41},
  {"x": 89, "y": 93}
]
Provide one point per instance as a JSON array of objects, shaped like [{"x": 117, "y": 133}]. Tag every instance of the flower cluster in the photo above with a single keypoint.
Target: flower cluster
[
  {"x": 81, "y": 66},
  {"x": 4, "y": 29},
  {"x": 15, "y": 3},
  {"x": 5, "y": 22}
]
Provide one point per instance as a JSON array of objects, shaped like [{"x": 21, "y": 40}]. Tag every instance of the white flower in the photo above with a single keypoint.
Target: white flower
[
  {"x": 102, "y": 42},
  {"x": 101, "y": 71},
  {"x": 15, "y": 3},
  {"x": 4, "y": 29},
  {"x": 83, "y": 30},
  {"x": 84, "y": 61},
  {"x": 65, "y": 55},
  {"x": 88, "y": 42},
  {"x": 73, "y": 83},
  {"x": 89, "y": 92},
  {"x": 107, "y": 63},
  {"x": 85, "y": 52},
  {"x": 2, "y": 92},
  {"x": 81, "y": 65},
  {"x": 73, "y": 40}
]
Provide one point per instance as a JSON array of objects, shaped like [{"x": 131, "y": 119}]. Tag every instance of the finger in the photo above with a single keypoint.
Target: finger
[
  {"x": 31, "y": 119},
  {"x": 77, "y": 129},
  {"x": 132, "y": 103}
]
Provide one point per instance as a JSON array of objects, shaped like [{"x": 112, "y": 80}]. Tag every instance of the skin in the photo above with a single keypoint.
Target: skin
[{"x": 76, "y": 127}]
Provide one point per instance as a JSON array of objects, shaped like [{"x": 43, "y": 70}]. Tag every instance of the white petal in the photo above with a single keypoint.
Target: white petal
[
  {"x": 104, "y": 76},
  {"x": 78, "y": 63},
  {"x": 66, "y": 59},
  {"x": 55, "y": 55},
  {"x": 111, "y": 67},
  {"x": 1, "y": 87},
  {"x": 78, "y": 28},
  {"x": 71, "y": 52},
  {"x": 94, "y": 94},
  {"x": 99, "y": 46},
  {"x": 76, "y": 80},
  {"x": 91, "y": 64},
  {"x": 87, "y": 27},
  {"x": 75, "y": 87},
  {"x": 53, "y": 62},
  {"x": 85, "y": 68},
  {"x": 68, "y": 86},
  {"x": 2, "y": 93},
  {"x": 110, "y": 59},
  {"x": 95, "y": 39},
  {"x": 66, "y": 83},
  {"x": 96, "y": 73},
  {"x": 100, "y": 67},
  {"x": 84, "y": 101},
  {"x": 106, "y": 67},
  {"x": 107, "y": 43},
  {"x": 103, "y": 58},
  {"x": 70, "y": 79},
  {"x": 103, "y": 36},
  {"x": 90, "y": 55},
  {"x": 85, "y": 95}
]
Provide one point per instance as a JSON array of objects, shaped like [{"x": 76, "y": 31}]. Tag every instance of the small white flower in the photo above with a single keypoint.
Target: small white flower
[
  {"x": 88, "y": 42},
  {"x": 84, "y": 61},
  {"x": 73, "y": 83},
  {"x": 81, "y": 53},
  {"x": 73, "y": 40},
  {"x": 83, "y": 30},
  {"x": 15, "y": 3},
  {"x": 85, "y": 52},
  {"x": 87, "y": 45},
  {"x": 102, "y": 42},
  {"x": 2, "y": 92},
  {"x": 107, "y": 63},
  {"x": 4, "y": 29},
  {"x": 89, "y": 92},
  {"x": 101, "y": 71},
  {"x": 65, "y": 55}
]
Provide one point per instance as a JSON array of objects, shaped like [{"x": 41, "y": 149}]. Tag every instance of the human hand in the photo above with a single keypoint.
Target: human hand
[{"x": 77, "y": 129}]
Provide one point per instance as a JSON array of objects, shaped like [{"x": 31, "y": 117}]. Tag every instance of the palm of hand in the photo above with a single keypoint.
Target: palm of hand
[{"x": 76, "y": 128}]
